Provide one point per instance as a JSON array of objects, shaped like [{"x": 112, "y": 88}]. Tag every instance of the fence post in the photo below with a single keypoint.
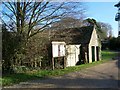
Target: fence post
[{"x": 52, "y": 63}]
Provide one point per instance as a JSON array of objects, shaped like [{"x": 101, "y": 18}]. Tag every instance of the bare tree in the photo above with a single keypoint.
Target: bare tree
[
  {"x": 31, "y": 17},
  {"x": 67, "y": 22},
  {"x": 26, "y": 19},
  {"x": 106, "y": 29}
]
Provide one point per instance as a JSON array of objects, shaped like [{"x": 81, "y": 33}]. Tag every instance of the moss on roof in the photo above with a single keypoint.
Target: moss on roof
[{"x": 74, "y": 35}]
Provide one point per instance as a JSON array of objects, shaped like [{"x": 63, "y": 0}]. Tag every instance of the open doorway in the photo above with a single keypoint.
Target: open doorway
[
  {"x": 93, "y": 53},
  {"x": 97, "y": 53}
]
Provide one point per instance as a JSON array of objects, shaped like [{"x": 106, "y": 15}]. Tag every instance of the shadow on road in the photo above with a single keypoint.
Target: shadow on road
[
  {"x": 118, "y": 65},
  {"x": 75, "y": 83}
]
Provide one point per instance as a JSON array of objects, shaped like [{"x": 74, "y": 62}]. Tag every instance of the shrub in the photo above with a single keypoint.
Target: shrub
[{"x": 114, "y": 43}]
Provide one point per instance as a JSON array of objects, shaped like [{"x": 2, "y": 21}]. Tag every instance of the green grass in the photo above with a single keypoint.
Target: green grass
[
  {"x": 16, "y": 78},
  {"x": 20, "y": 77},
  {"x": 107, "y": 55}
]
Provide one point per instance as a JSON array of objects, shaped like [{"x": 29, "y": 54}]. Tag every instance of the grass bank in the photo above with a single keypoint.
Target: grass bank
[{"x": 21, "y": 77}]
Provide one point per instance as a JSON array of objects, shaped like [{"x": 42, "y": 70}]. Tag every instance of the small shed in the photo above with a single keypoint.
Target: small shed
[
  {"x": 83, "y": 44},
  {"x": 73, "y": 53}
]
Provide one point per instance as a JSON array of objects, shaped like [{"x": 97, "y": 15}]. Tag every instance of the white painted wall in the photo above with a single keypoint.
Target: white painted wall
[
  {"x": 73, "y": 52},
  {"x": 93, "y": 42}
]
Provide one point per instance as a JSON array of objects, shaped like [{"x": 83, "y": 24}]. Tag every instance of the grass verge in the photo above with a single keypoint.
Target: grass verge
[
  {"x": 108, "y": 55},
  {"x": 21, "y": 77}
]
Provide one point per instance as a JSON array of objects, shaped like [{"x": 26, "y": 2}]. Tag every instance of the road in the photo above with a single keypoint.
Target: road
[{"x": 101, "y": 76}]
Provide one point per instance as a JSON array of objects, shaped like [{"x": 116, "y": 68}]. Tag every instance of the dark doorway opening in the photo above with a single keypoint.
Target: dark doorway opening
[
  {"x": 97, "y": 53},
  {"x": 93, "y": 53}
]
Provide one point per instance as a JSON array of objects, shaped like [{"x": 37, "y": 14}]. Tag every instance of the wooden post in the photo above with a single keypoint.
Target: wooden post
[
  {"x": 52, "y": 63},
  {"x": 35, "y": 63}
]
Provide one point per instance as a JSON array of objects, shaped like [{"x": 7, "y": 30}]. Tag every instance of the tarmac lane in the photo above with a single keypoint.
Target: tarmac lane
[{"x": 104, "y": 75}]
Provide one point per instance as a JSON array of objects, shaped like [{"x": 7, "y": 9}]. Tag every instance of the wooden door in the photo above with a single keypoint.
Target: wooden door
[
  {"x": 97, "y": 53},
  {"x": 93, "y": 53}
]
